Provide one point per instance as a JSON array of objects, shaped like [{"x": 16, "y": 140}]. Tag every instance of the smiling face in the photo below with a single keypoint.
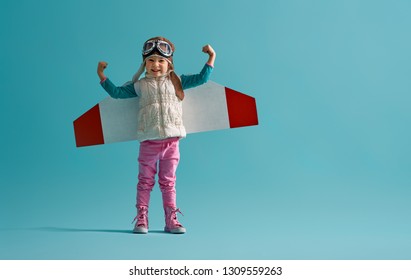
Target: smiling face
[{"x": 156, "y": 66}]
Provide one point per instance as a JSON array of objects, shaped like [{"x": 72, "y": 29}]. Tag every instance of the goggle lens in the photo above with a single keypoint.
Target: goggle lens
[
  {"x": 149, "y": 46},
  {"x": 164, "y": 47}
]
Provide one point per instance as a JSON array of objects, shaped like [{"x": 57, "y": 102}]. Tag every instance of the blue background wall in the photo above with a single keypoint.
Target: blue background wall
[{"x": 326, "y": 174}]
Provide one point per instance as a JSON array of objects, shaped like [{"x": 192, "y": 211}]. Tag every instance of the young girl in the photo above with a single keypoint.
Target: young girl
[{"x": 160, "y": 124}]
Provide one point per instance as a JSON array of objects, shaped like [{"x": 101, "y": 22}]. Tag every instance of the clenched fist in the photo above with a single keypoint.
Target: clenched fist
[
  {"x": 102, "y": 65},
  {"x": 210, "y": 51}
]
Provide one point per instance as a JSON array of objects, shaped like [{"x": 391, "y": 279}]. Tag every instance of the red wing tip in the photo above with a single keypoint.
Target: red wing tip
[
  {"x": 87, "y": 128},
  {"x": 242, "y": 109}
]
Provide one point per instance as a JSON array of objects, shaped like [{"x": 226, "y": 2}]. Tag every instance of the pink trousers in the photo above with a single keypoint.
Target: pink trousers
[{"x": 161, "y": 155}]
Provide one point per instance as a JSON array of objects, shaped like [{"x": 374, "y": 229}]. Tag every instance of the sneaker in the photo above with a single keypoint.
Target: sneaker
[
  {"x": 141, "y": 225},
  {"x": 172, "y": 224}
]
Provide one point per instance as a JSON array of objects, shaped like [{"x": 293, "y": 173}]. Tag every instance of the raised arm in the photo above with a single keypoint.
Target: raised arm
[
  {"x": 102, "y": 65},
  {"x": 190, "y": 81},
  {"x": 125, "y": 91},
  {"x": 211, "y": 54}
]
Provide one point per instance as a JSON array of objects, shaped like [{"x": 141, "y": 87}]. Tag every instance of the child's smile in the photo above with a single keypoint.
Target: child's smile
[{"x": 156, "y": 66}]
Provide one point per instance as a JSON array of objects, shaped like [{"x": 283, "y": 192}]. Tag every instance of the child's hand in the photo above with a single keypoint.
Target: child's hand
[
  {"x": 209, "y": 49},
  {"x": 102, "y": 65}
]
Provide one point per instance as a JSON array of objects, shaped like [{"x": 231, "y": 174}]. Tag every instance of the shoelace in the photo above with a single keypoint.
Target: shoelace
[
  {"x": 142, "y": 213},
  {"x": 173, "y": 216},
  {"x": 177, "y": 211}
]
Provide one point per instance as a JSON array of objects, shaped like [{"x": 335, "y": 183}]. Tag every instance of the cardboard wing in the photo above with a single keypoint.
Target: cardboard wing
[{"x": 205, "y": 108}]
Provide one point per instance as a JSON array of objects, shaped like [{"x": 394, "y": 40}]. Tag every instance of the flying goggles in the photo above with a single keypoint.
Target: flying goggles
[{"x": 162, "y": 47}]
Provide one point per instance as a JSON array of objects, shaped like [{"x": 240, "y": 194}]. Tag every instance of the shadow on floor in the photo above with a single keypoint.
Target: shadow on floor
[{"x": 60, "y": 229}]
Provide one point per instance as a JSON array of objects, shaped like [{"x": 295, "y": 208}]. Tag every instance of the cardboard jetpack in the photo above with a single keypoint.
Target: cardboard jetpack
[{"x": 205, "y": 108}]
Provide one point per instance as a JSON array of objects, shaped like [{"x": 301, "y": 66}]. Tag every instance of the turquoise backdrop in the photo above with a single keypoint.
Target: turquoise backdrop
[{"x": 325, "y": 175}]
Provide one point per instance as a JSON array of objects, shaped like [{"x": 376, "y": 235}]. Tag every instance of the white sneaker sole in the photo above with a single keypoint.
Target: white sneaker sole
[
  {"x": 140, "y": 230},
  {"x": 179, "y": 230}
]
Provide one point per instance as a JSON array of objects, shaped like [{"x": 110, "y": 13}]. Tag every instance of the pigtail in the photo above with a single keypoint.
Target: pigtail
[{"x": 177, "y": 85}]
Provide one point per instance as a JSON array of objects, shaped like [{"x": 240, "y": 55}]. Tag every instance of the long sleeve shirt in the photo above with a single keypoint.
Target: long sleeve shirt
[{"x": 128, "y": 90}]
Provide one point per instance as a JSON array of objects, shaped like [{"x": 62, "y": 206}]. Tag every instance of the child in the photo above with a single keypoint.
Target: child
[{"x": 160, "y": 124}]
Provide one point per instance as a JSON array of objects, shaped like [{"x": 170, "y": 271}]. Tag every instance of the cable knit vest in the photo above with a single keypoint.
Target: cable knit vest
[{"x": 160, "y": 113}]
